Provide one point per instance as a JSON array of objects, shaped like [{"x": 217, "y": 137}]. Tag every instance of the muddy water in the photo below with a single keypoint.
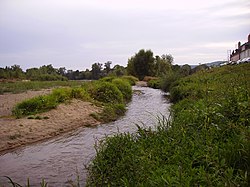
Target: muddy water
[{"x": 62, "y": 159}]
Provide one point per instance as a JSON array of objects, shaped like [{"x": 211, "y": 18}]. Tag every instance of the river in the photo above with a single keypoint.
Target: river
[{"x": 62, "y": 159}]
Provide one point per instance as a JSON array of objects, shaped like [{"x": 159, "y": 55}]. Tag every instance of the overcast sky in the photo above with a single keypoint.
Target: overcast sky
[{"x": 77, "y": 33}]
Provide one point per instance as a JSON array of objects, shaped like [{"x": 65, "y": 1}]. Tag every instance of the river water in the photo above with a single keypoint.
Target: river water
[{"x": 62, "y": 159}]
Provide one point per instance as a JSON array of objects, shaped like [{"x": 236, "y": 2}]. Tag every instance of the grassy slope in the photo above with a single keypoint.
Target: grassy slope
[{"x": 208, "y": 143}]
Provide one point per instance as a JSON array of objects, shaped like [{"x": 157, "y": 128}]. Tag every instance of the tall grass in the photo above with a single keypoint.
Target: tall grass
[{"x": 207, "y": 142}]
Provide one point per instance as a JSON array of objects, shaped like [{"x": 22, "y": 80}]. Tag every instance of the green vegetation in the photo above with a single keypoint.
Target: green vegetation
[
  {"x": 20, "y": 86},
  {"x": 113, "y": 93},
  {"x": 206, "y": 142},
  {"x": 111, "y": 96}
]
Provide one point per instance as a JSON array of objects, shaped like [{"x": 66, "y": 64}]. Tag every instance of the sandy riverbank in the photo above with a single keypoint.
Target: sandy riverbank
[{"x": 66, "y": 117}]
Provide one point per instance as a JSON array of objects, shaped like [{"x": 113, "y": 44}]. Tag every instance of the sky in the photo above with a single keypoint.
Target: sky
[{"x": 77, "y": 33}]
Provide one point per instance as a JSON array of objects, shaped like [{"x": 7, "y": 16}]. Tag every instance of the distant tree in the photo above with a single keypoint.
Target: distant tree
[
  {"x": 176, "y": 68},
  {"x": 48, "y": 69},
  {"x": 168, "y": 58},
  {"x": 107, "y": 67},
  {"x": 87, "y": 74},
  {"x": 96, "y": 71},
  {"x": 185, "y": 70},
  {"x": 61, "y": 71},
  {"x": 142, "y": 64},
  {"x": 3, "y": 74},
  {"x": 17, "y": 72},
  {"x": 32, "y": 73},
  {"x": 199, "y": 68},
  {"x": 119, "y": 70},
  {"x": 162, "y": 66}
]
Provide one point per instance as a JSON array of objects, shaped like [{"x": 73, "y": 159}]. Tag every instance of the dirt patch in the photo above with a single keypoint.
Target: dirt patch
[
  {"x": 142, "y": 83},
  {"x": 66, "y": 117}
]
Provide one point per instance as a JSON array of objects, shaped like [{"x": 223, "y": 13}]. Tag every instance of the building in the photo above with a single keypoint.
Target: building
[{"x": 243, "y": 51}]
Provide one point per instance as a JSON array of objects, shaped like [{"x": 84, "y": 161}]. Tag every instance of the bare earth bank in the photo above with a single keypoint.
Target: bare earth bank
[{"x": 65, "y": 118}]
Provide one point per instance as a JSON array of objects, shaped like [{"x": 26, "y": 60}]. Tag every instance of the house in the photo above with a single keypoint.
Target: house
[{"x": 243, "y": 51}]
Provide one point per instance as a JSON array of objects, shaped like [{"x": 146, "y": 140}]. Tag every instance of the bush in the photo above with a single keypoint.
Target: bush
[
  {"x": 132, "y": 80},
  {"x": 79, "y": 93},
  {"x": 112, "y": 112},
  {"x": 168, "y": 80},
  {"x": 34, "y": 105},
  {"x": 125, "y": 88},
  {"x": 106, "y": 92},
  {"x": 154, "y": 83},
  {"x": 61, "y": 94}
]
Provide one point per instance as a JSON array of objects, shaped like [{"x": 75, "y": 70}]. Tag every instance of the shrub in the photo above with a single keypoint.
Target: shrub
[
  {"x": 125, "y": 88},
  {"x": 34, "y": 106},
  {"x": 154, "y": 83},
  {"x": 168, "y": 80},
  {"x": 112, "y": 112},
  {"x": 79, "y": 93},
  {"x": 107, "y": 79},
  {"x": 132, "y": 80},
  {"x": 106, "y": 92},
  {"x": 61, "y": 94}
]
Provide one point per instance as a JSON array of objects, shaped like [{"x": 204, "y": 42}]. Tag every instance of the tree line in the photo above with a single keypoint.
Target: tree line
[
  {"x": 142, "y": 64},
  {"x": 49, "y": 73}
]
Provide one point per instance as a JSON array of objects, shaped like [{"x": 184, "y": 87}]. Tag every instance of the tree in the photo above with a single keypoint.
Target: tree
[
  {"x": 162, "y": 66},
  {"x": 142, "y": 64},
  {"x": 61, "y": 71},
  {"x": 107, "y": 67},
  {"x": 168, "y": 58},
  {"x": 96, "y": 71},
  {"x": 185, "y": 70},
  {"x": 119, "y": 70}
]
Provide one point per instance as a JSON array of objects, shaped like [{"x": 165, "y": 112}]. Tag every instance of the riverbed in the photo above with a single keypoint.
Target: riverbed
[{"x": 63, "y": 159}]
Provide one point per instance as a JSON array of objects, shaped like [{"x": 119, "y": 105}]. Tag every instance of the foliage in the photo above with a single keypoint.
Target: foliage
[
  {"x": 154, "y": 83},
  {"x": 106, "y": 92},
  {"x": 124, "y": 86},
  {"x": 41, "y": 103},
  {"x": 131, "y": 79},
  {"x": 96, "y": 71},
  {"x": 111, "y": 112},
  {"x": 206, "y": 142},
  {"x": 141, "y": 64},
  {"x": 109, "y": 95},
  {"x": 13, "y": 72},
  {"x": 162, "y": 65}
]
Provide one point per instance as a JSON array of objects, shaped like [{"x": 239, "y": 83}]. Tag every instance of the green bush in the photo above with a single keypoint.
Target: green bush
[
  {"x": 106, "y": 92},
  {"x": 79, "y": 93},
  {"x": 112, "y": 112},
  {"x": 154, "y": 83},
  {"x": 107, "y": 79},
  {"x": 168, "y": 80},
  {"x": 34, "y": 105},
  {"x": 61, "y": 94},
  {"x": 125, "y": 88},
  {"x": 132, "y": 80}
]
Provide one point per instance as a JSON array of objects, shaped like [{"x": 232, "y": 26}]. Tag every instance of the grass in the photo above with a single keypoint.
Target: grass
[
  {"x": 19, "y": 86},
  {"x": 206, "y": 143}
]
